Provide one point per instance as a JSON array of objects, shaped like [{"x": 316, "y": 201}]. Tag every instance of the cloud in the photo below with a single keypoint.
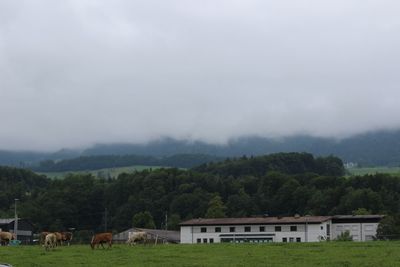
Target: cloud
[{"x": 74, "y": 73}]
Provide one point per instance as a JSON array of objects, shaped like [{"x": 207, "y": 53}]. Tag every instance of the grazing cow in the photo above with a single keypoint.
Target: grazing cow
[
  {"x": 42, "y": 237},
  {"x": 59, "y": 237},
  {"x": 50, "y": 241},
  {"x": 137, "y": 236},
  {"x": 66, "y": 237},
  {"x": 100, "y": 239},
  {"x": 6, "y": 237}
]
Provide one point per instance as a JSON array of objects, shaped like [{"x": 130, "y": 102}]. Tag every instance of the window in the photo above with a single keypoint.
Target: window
[
  {"x": 262, "y": 228},
  {"x": 203, "y": 229},
  {"x": 231, "y": 229},
  {"x": 278, "y": 228},
  {"x": 298, "y": 239},
  {"x": 291, "y": 239},
  {"x": 293, "y": 228},
  {"x": 284, "y": 239},
  {"x": 198, "y": 240},
  {"x": 218, "y": 229},
  {"x": 204, "y": 240},
  {"x": 211, "y": 240},
  {"x": 368, "y": 228},
  {"x": 247, "y": 229}
]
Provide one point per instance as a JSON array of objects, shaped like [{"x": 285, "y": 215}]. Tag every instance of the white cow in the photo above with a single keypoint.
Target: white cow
[
  {"x": 50, "y": 241},
  {"x": 135, "y": 237}
]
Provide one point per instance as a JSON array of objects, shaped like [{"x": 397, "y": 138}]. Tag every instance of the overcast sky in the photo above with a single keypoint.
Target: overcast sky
[{"x": 75, "y": 73}]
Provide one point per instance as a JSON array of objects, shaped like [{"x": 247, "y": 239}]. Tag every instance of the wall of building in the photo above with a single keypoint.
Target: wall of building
[
  {"x": 359, "y": 231},
  {"x": 257, "y": 233}
]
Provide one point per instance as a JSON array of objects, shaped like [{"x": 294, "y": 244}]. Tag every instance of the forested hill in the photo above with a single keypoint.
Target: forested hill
[
  {"x": 113, "y": 161},
  {"x": 289, "y": 183},
  {"x": 370, "y": 149},
  {"x": 290, "y": 163}
]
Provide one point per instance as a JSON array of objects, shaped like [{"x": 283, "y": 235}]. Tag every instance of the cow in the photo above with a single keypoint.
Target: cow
[
  {"x": 6, "y": 237},
  {"x": 50, "y": 241},
  {"x": 137, "y": 236},
  {"x": 42, "y": 237},
  {"x": 100, "y": 239},
  {"x": 66, "y": 237},
  {"x": 59, "y": 237}
]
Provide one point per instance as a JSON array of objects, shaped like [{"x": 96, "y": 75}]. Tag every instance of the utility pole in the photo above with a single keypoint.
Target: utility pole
[
  {"x": 105, "y": 220},
  {"x": 15, "y": 219},
  {"x": 166, "y": 220}
]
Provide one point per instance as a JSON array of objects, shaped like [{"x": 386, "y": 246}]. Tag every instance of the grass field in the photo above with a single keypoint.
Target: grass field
[
  {"x": 101, "y": 173},
  {"x": 293, "y": 254},
  {"x": 375, "y": 170}
]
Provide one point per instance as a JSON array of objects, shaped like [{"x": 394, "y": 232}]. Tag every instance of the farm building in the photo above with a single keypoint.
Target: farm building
[
  {"x": 25, "y": 229},
  {"x": 279, "y": 229},
  {"x": 162, "y": 236}
]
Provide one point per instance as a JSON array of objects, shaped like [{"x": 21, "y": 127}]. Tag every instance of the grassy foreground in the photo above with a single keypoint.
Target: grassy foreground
[{"x": 300, "y": 254}]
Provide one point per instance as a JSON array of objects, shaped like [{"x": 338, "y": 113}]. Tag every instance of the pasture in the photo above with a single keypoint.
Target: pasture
[
  {"x": 278, "y": 254},
  {"x": 374, "y": 170},
  {"x": 101, "y": 173}
]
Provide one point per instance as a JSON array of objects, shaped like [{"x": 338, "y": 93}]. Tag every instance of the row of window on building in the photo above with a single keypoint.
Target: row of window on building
[
  {"x": 248, "y": 240},
  {"x": 232, "y": 229}
]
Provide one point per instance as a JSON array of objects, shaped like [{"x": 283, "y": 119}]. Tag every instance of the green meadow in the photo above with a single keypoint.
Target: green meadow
[
  {"x": 374, "y": 170},
  {"x": 380, "y": 253}
]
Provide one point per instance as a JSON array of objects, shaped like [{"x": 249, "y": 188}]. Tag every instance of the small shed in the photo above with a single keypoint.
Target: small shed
[
  {"x": 24, "y": 232},
  {"x": 161, "y": 236}
]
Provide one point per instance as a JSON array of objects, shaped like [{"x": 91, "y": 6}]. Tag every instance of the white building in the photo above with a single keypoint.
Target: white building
[{"x": 278, "y": 229}]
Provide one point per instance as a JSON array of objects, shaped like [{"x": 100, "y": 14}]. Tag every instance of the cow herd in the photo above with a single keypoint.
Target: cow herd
[{"x": 50, "y": 240}]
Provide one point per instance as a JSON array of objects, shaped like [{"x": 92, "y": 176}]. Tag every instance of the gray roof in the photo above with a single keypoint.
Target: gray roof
[
  {"x": 257, "y": 220},
  {"x": 6, "y": 221},
  {"x": 170, "y": 236},
  {"x": 358, "y": 216}
]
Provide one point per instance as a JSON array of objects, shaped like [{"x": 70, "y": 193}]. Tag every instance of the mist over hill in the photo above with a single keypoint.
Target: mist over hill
[{"x": 380, "y": 148}]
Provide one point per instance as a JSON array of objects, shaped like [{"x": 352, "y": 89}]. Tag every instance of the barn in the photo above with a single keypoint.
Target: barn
[
  {"x": 279, "y": 229},
  {"x": 162, "y": 236},
  {"x": 25, "y": 229}
]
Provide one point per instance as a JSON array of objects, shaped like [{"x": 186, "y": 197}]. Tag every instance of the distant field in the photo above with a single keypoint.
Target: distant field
[
  {"x": 375, "y": 170},
  {"x": 289, "y": 254},
  {"x": 101, "y": 173}
]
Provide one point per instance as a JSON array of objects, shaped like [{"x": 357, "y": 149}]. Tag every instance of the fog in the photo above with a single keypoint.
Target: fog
[{"x": 75, "y": 73}]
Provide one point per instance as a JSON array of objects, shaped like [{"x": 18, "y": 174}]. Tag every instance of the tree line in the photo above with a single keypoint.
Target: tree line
[
  {"x": 278, "y": 184},
  {"x": 113, "y": 161}
]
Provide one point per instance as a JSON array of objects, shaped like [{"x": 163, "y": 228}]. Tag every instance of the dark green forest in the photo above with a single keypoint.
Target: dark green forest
[
  {"x": 277, "y": 184},
  {"x": 112, "y": 161},
  {"x": 378, "y": 148}
]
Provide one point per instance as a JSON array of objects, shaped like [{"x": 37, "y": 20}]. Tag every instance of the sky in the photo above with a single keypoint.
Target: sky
[{"x": 76, "y": 73}]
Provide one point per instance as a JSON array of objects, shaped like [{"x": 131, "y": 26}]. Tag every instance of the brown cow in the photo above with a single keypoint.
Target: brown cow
[
  {"x": 59, "y": 237},
  {"x": 99, "y": 239},
  {"x": 42, "y": 237},
  {"x": 66, "y": 237},
  {"x": 6, "y": 237}
]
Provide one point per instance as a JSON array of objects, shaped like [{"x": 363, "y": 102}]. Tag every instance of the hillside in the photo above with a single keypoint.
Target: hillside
[
  {"x": 370, "y": 149},
  {"x": 277, "y": 184}
]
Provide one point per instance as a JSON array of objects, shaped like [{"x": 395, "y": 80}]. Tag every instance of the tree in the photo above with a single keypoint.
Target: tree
[
  {"x": 345, "y": 236},
  {"x": 143, "y": 220},
  {"x": 216, "y": 208},
  {"x": 389, "y": 228}
]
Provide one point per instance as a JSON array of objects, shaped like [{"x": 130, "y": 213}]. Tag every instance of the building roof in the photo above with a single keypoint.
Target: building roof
[
  {"x": 7, "y": 221},
  {"x": 358, "y": 216},
  {"x": 170, "y": 236},
  {"x": 257, "y": 220}
]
